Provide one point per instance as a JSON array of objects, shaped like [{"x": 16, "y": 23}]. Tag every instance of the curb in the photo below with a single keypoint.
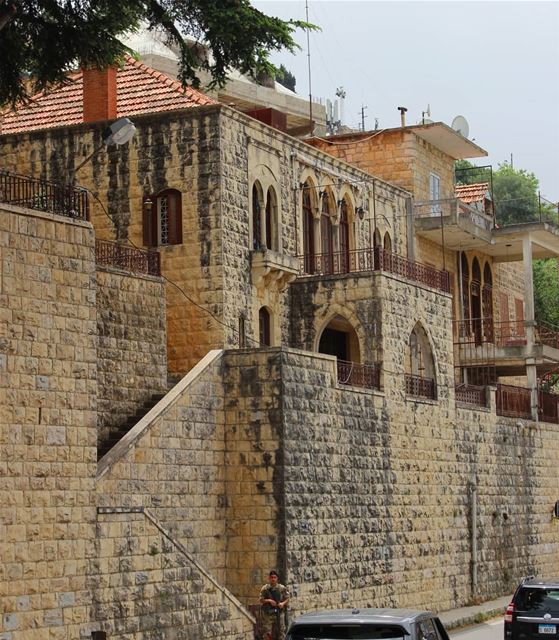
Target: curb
[{"x": 474, "y": 618}]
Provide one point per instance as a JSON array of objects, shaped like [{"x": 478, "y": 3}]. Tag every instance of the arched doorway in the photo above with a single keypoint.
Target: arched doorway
[
  {"x": 487, "y": 303},
  {"x": 339, "y": 339},
  {"x": 308, "y": 230},
  {"x": 326, "y": 234},
  {"x": 420, "y": 364},
  {"x": 475, "y": 301},
  {"x": 271, "y": 220},
  {"x": 344, "y": 237}
]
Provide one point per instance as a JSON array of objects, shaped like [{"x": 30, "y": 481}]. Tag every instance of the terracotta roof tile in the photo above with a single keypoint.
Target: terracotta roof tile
[
  {"x": 140, "y": 90},
  {"x": 472, "y": 192}
]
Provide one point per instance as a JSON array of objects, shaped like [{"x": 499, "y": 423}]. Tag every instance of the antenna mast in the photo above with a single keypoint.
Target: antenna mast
[{"x": 309, "y": 63}]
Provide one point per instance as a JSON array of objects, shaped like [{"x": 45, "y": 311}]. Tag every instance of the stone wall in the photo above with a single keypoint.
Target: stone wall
[
  {"x": 132, "y": 346},
  {"x": 371, "y": 498},
  {"x": 48, "y": 391},
  {"x": 147, "y": 585}
]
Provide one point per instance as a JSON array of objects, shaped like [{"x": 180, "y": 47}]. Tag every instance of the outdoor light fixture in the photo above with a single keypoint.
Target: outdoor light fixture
[
  {"x": 322, "y": 194},
  {"x": 119, "y": 132},
  {"x": 360, "y": 212}
]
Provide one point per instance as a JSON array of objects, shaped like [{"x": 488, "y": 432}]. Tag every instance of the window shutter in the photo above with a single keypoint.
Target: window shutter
[
  {"x": 149, "y": 220},
  {"x": 175, "y": 217}
]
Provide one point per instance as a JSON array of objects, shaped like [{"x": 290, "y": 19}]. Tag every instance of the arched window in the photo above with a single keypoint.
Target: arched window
[
  {"x": 465, "y": 286},
  {"x": 344, "y": 237},
  {"x": 377, "y": 242},
  {"x": 487, "y": 303},
  {"x": 475, "y": 301},
  {"x": 420, "y": 365},
  {"x": 387, "y": 242},
  {"x": 264, "y": 327},
  {"x": 256, "y": 215},
  {"x": 271, "y": 220},
  {"x": 162, "y": 218},
  {"x": 326, "y": 234},
  {"x": 308, "y": 230}
]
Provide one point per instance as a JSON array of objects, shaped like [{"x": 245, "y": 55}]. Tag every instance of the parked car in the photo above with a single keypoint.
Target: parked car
[
  {"x": 367, "y": 624},
  {"x": 534, "y": 610}
]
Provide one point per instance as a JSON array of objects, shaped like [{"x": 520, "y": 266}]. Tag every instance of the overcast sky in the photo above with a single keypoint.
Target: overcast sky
[{"x": 495, "y": 63}]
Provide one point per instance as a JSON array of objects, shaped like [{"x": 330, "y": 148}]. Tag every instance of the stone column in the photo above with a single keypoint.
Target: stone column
[{"x": 530, "y": 322}]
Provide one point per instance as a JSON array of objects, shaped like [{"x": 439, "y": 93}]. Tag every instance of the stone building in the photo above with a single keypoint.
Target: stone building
[{"x": 336, "y": 406}]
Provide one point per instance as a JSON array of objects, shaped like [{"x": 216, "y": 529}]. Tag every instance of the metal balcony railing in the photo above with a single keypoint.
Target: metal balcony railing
[
  {"x": 377, "y": 259},
  {"x": 513, "y": 402},
  {"x": 43, "y": 195},
  {"x": 420, "y": 387},
  {"x": 471, "y": 394},
  {"x": 454, "y": 209},
  {"x": 526, "y": 210},
  {"x": 115, "y": 254},
  {"x": 358, "y": 375}
]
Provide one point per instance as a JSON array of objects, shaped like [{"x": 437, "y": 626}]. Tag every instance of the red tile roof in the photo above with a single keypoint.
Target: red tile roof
[
  {"x": 140, "y": 89},
  {"x": 469, "y": 193}
]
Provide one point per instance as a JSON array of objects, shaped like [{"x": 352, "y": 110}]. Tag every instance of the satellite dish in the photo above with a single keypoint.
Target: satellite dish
[{"x": 461, "y": 126}]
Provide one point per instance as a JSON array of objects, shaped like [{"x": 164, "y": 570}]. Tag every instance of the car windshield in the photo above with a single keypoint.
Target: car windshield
[
  {"x": 538, "y": 599},
  {"x": 342, "y": 631}
]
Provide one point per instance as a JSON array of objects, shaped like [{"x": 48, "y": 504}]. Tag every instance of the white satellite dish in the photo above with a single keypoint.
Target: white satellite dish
[{"x": 461, "y": 126}]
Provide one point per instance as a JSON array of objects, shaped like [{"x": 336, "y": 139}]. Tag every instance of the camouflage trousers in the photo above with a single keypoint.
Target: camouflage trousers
[{"x": 273, "y": 625}]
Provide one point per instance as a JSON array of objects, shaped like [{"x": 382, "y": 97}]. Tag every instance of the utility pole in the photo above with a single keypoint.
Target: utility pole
[
  {"x": 309, "y": 61},
  {"x": 363, "y": 116}
]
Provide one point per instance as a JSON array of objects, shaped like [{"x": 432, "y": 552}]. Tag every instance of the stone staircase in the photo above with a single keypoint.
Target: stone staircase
[{"x": 104, "y": 446}]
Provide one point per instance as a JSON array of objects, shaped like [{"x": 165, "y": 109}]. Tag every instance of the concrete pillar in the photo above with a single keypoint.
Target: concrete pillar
[{"x": 529, "y": 323}]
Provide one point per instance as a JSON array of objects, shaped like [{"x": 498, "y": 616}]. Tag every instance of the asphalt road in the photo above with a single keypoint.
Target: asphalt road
[{"x": 490, "y": 630}]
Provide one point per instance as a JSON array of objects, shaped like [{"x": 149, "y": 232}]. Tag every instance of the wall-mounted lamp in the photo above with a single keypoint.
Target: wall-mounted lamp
[
  {"x": 360, "y": 211},
  {"x": 147, "y": 203},
  {"x": 119, "y": 132},
  {"x": 340, "y": 202},
  {"x": 322, "y": 194}
]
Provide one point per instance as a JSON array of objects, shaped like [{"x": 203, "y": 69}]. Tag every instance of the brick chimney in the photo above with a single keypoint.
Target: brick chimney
[{"x": 99, "y": 94}]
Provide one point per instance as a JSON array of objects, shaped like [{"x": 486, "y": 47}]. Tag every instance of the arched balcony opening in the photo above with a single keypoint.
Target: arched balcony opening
[
  {"x": 420, "y": 365},
  {"x": 308, "y": 230},
  {"x": 340, "y": 339}
]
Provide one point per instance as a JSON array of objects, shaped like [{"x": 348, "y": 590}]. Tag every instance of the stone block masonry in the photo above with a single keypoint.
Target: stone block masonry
[
  {"x": 132, "y": 346},
  {"x": 48, "y": 396}
]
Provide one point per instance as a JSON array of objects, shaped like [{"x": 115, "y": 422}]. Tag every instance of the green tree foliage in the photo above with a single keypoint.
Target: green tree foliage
[
  {"x": 515, "y": 193},
  {"x": 44, "y": 39},
  {"x": 285, "y": 77},
  {"x": 546, "y": 291}
]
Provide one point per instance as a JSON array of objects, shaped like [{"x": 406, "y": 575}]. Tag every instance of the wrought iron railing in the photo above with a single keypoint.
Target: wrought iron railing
[
  {"x": 526, "y": 210},
  {"x": 478, "y": 337},
  {"x": 548, "y": 407},
  {"x": 471, "y": 394},
  {"x": 453, "y": 208},
  {"x": 43, "y": 195},
  {"x": 420, "y": 387},
  {"x": 376, "y": 259},
  {"x": 121, "y": 256},
  {"x": 514, "y": 402},
  {"x": 359, "y": 375}
]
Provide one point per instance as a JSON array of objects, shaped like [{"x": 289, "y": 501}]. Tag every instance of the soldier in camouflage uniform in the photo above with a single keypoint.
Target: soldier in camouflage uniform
[{"x": 274, "y": 598}]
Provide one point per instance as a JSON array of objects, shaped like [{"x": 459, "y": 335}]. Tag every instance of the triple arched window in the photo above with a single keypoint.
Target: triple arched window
[
  {"x": 477, "y": 299},
  {"x": 327, "y": 225},
  {"x": 265, "y": 232}
]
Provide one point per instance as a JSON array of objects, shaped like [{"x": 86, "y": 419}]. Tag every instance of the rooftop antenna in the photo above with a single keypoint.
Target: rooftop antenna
[
  {"x": 363, "y": 116},
  {"x": 340, "y": 93},
  {"x": 427, "y": 112},
  {"x": 309, "y": 63}
]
